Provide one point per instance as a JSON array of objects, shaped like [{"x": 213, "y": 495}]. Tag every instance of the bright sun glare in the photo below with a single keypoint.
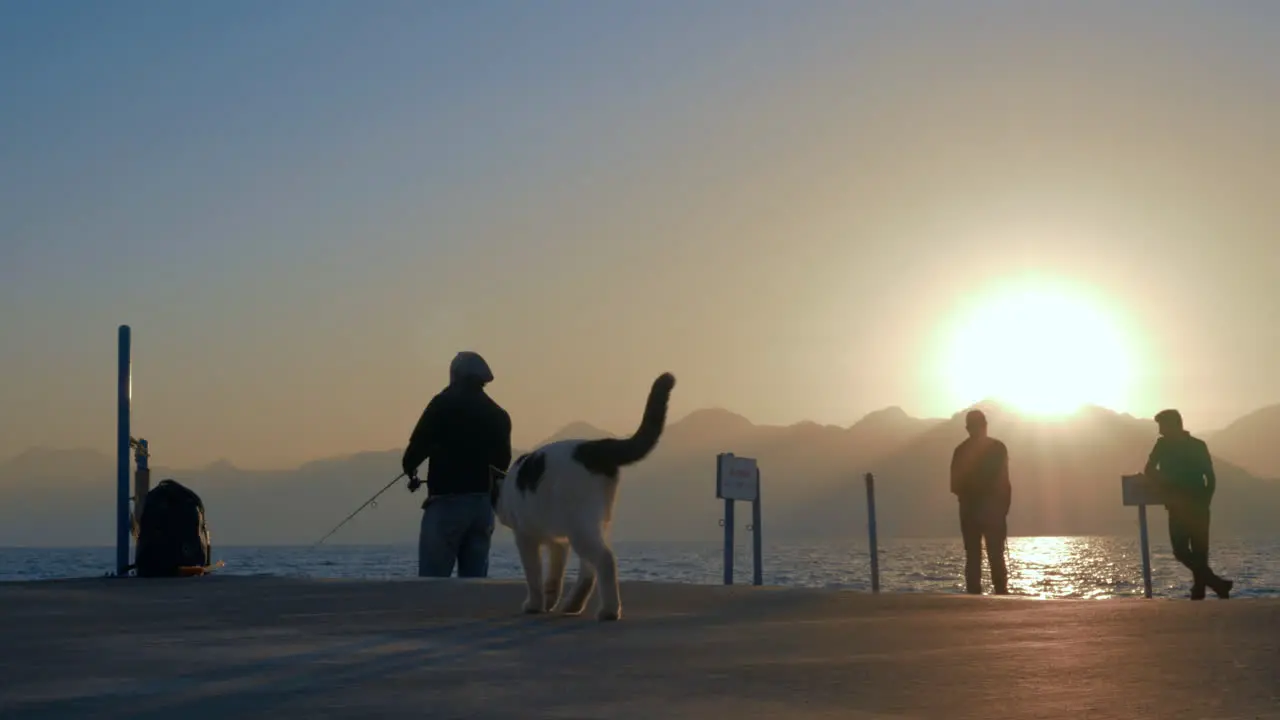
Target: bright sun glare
[{"x": 1041, "y": 348}]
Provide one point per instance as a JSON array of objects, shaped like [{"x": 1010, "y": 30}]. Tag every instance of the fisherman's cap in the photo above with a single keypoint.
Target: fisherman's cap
[{"x": 467, "y": 364}]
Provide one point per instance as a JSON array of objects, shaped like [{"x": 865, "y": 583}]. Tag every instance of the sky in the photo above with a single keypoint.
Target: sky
[{"x": 304, "y": 208}]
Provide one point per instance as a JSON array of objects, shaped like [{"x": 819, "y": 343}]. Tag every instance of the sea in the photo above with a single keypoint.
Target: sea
[{"x": 1076, "y": 567}]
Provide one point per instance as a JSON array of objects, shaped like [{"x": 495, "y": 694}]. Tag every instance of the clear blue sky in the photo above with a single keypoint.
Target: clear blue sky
[{"x": 304, "y": 208}]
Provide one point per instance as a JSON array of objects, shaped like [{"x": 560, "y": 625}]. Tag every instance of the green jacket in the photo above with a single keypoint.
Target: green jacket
[{"x": 1183, "y": 462}]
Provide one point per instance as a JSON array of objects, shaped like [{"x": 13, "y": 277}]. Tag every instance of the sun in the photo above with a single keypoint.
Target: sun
[{"x": 1043, "y": 348}]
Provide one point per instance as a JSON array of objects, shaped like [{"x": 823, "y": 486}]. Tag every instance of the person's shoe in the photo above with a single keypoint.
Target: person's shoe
[
  {"x": 1223, "y": 588},
  {"x": 1197, "y": 592}
]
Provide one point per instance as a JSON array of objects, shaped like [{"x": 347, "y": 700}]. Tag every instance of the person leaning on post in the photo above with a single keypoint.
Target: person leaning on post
[{"x": 1181, "y": 468}]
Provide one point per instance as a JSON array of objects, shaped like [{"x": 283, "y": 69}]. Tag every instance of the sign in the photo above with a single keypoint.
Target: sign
[
  {"x": 1139, "y": 490},
  {"x": 737, "y": 478}
]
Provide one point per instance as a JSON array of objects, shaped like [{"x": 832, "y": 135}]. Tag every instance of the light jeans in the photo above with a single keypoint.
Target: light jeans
[{"x": 456, "y": 528}]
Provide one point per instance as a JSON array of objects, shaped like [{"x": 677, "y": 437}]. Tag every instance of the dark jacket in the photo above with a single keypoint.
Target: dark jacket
[
  {"x": 1183, "y": 463},
  {"x": 980, "y": 472},
  {"x": 463, "y": 431}
]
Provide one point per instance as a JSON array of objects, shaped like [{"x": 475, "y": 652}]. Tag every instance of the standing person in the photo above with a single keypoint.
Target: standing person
[
  {"x": 464, "y": 432},
  {"x": 1180, "y": 464},
  {"x": 980, "y": 481}
]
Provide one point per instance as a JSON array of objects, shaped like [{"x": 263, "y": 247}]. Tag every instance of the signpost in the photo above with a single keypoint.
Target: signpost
[
  {"x": 738, "y": 478},
  {"x": 1138, "y": 490}
]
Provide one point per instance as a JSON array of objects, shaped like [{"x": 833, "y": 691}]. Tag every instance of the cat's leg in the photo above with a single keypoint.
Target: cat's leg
[
  {"x": 531, "y": 558},
  {"x": 557, "y": 556},
  {"x": 573, "y": 602},
  {"x": 610, "y": 593},
  {"x": 594, "y": 549}
]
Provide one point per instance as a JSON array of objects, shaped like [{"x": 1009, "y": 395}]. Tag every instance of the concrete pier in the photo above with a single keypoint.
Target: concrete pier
[{"x": 236, "y": 647}]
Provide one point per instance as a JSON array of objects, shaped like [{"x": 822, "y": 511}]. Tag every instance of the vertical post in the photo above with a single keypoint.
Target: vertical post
[
  {"x": 1146, "y": 551},
  {"x": 728, "y": 542},
  {"x": 871, "y": 532},
  {"x": 757, "y": 544},
  {"x": 124, "y": 392}
]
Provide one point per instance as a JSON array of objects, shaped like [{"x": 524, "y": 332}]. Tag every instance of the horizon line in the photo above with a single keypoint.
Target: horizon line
[{"x": 984, "y": 404}]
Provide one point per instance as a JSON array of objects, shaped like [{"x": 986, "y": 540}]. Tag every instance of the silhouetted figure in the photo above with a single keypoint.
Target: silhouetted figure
[
  {"x": 464, "y": 432},
  {"x": 1181, "y": 464},
  {"x": 980, "y": 481}
]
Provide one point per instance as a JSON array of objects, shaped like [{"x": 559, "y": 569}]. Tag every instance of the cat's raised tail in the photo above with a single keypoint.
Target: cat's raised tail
[{"x": 606, "y": 456}]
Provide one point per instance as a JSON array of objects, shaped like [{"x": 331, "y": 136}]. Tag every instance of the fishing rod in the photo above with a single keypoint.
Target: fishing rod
[
  {"x": 373, "y": 501},
  {"x": 367, "y": 503}
]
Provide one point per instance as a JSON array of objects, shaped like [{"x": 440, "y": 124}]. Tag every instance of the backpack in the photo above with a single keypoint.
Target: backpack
[{"x": 172, "y": 534}]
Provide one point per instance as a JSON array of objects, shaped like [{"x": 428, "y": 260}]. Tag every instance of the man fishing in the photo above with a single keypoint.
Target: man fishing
[
  {"x": 463, "y": 432},
  {"x": 1181, "y": 466}
]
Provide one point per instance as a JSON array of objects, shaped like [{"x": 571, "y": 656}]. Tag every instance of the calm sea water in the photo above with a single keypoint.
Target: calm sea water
[{"x": 1046, "y": 567}]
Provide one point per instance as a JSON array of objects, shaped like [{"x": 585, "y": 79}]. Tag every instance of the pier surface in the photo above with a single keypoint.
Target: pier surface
[{"x": 237, "y": 647}]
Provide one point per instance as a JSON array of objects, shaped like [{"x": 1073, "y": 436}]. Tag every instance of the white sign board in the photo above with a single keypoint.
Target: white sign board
[
  {"x": 1138, "y": 490},
  {"x": 737, "y": 478}
]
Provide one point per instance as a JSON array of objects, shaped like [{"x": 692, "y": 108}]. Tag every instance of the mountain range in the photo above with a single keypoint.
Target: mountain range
[{"x": 1066, "y": 474}]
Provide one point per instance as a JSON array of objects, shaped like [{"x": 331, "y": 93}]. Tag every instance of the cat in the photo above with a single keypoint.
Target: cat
[{"x": 561, "y": 495}]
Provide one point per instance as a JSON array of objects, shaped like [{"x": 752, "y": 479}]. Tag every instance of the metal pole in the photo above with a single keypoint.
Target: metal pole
[
  {"x": 728, "y": 542},
  {"x": 871, "y": 532},
  {"x": 757, "y": 574},
  {"x": 1146, "y": 551},
  {"x": 124, "y": 392}
]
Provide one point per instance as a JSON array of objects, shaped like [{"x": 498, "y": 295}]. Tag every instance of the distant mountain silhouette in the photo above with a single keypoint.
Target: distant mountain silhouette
[
  {"x": 1253, "y": 442},
  {"x": 222, "y": 465},
  {"x": 1066, "y": 476},
  {"x": 576, "y": 430},
  {"x": 41, "y": 463}
]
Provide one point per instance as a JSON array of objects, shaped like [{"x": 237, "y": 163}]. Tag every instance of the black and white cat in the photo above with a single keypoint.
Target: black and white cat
[{"x": 560, "y": 496}]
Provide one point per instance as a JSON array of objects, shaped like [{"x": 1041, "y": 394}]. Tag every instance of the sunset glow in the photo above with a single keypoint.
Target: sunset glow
[{"x": 1044, "y": 348}]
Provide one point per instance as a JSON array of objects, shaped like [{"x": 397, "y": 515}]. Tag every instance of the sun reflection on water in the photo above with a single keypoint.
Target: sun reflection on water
[{"x": 1056, "y": 567}]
